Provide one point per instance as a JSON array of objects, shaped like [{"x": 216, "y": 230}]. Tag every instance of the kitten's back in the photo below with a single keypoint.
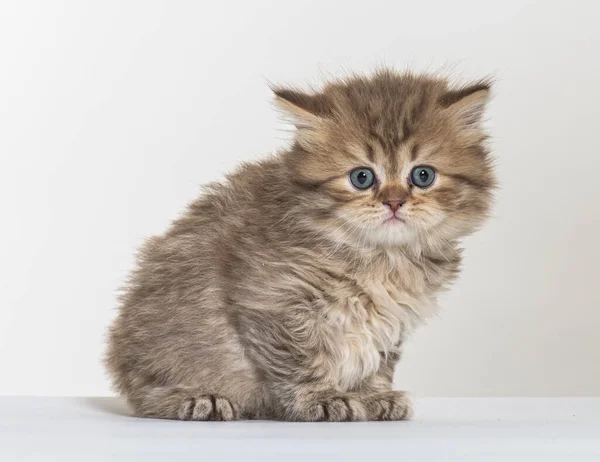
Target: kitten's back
[{"x": 174, "y": 326}]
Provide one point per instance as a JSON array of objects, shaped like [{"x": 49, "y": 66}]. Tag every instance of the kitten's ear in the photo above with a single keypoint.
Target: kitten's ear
[
  {"x": 305, "y": 109},
  {"x": 466, "y": 105}
]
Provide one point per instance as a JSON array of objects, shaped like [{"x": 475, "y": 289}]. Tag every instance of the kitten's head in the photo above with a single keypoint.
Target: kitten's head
[{"x": 392, "y": 158}]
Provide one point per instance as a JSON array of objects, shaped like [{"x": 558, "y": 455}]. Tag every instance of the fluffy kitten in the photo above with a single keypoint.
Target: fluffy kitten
[{"x": 286, "y": 292}]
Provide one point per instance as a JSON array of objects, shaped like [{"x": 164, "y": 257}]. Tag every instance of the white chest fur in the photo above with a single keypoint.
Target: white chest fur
[{"x": 373, "y": 325}]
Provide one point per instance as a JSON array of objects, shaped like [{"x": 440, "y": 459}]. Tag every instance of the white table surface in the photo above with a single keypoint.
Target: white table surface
[{"x": 444, "y": 429}]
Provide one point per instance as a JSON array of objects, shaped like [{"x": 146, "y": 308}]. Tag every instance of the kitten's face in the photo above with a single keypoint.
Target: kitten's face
[{"x": 393, "y": 159}]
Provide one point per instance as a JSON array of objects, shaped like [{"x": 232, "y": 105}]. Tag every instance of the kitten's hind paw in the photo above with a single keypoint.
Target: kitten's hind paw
[
  {"x": 206, "y": 407},
  {"x": 183, "y": 404}
]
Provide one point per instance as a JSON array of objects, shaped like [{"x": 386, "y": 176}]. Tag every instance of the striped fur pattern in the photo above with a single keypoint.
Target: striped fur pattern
[{"x": 285, "y": 292}]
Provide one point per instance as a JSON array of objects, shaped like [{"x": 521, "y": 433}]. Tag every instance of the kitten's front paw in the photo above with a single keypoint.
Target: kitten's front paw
[
  {"x": 334, "y": 408},
  {"x": 389, "y": 405}
]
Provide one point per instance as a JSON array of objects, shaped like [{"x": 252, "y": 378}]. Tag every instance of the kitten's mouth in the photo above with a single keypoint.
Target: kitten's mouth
[{"x": 394, "y": 220}]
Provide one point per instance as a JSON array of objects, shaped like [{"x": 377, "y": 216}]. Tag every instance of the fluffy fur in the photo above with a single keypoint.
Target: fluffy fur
[{"x": 285, "y": 292}]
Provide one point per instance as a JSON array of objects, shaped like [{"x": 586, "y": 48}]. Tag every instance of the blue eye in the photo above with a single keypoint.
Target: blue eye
[
  {"x": 362, "y": 178},
  {"x": 422, "y": 176}
]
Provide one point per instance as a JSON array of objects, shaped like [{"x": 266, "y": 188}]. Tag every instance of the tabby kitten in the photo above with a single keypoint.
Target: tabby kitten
[{"x": 286, "y": 292}]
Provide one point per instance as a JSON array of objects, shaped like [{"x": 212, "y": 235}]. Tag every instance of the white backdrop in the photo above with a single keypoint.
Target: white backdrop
[{"x": 112, "y": 113}]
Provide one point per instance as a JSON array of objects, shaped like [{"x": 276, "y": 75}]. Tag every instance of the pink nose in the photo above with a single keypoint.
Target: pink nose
[{"x": 394, "y": 204}]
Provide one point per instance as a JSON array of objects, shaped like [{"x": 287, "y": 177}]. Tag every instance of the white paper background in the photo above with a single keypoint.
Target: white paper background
[{"x": 112, "y": 113}]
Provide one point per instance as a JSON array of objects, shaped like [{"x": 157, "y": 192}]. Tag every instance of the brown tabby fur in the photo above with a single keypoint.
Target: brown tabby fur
[{"x": 281, "y": 293}]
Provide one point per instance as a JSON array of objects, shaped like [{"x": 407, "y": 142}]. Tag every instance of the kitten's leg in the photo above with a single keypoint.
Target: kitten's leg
[
  {"x": 293, "y": 352},
  {"x": 182, "y": 403},
  {"x": 373, "y": 400},
  {"x": 384, "y": 378},
  {"x": 381, "y": 401},
  {"x": 284, "y": 346}
]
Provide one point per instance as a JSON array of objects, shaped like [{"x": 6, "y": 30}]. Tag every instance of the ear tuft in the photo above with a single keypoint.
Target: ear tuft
[
  {"x": 467, "y": 104},
  {"x": 304, "y": 108}
]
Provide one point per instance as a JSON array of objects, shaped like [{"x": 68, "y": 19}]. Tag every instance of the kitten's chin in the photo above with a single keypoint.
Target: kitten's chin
[{"x": 392, "y": 234}]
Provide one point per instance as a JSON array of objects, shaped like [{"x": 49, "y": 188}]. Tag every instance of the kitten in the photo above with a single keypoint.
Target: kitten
[{"x": 286, "y": 292}]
